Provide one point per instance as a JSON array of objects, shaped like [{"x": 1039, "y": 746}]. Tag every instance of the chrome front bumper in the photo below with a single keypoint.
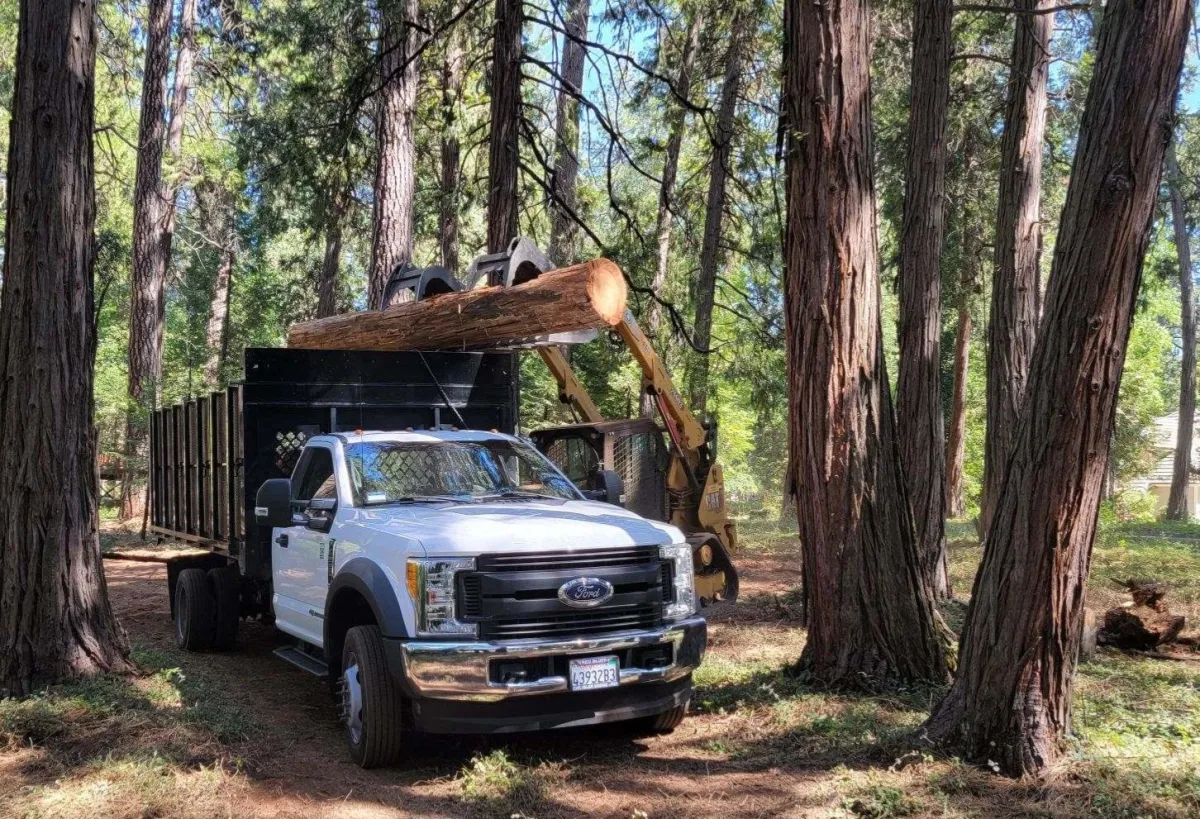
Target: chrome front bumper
[{"x": 460, "y": 670}]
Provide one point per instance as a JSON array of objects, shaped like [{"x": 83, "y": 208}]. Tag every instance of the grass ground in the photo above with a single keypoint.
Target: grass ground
[{"x": 186, "y": 739}]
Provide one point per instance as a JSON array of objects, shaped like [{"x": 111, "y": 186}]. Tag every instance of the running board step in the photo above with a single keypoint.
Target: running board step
[{"x": 302, "y": 661}]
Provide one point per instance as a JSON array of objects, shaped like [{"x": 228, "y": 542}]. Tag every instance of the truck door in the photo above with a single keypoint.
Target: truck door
[{"x": 299, "y": 551}]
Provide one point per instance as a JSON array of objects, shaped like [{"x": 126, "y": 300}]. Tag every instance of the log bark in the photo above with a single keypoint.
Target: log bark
[
  {"x": 1012, "y": 325},
  {"x": 1181, "y": 474},
  {"x": 919, "y": 386},
  {"x": 711, "y": 252},
  {"x": 869, "y": 613},
  {"x": 395, "y": 174},
  {"x": 55, "y": 618},
  {"x": 666, "y": 193},
  {"x": 503, "y": 148},
  {"x": 150, "y": 212},
  {"x": 1011, "y": 700},
  {"x": 453, "y": 71},
  {"x": 563, "y": 228},
  {"x": 591, "y": 295}
]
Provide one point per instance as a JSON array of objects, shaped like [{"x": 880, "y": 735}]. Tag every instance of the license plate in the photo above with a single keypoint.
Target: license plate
[{"x": 594, "y": 672}]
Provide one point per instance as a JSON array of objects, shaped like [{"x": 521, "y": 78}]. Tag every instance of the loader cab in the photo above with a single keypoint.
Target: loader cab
[{"x": 636, "y": 449}]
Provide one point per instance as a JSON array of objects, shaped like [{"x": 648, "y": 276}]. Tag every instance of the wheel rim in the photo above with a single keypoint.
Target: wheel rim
[{"x": 352, "y": 701}]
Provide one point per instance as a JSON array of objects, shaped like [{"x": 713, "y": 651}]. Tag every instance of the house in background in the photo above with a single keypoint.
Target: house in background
[{"x": 1158, "y": 481}]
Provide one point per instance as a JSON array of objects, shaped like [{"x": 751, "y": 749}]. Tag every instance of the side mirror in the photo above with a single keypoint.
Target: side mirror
[
  {"x": 319, "y": 515},
  {"x": 606, "y": 487},
  {"x": 273, "y": 503}
]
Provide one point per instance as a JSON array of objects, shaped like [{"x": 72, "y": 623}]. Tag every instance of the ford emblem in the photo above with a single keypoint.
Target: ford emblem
[{"x": 585, "y": 592}]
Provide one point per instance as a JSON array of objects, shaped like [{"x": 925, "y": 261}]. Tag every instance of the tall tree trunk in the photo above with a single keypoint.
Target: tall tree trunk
[
  {"x": 150, "y": 215},
  {"x": 677, "y": 119},
  {"x": 566, "y": 136},
  {"x": 453, "y": 71},
  {"x": 869, "y": 613},
  {"x": 1177, "y": 502},
  {"x": 1011, "y": 701},
  {"x": 395, "y": 175},
  {"x": 919, "y": 387},
  {"x": 55, "y": 619},
  {"x": 217, "y": 332},
  {"x": 711, "y": 253},
  {"x": 331, "y": 263},
  {"x": 1012, "y": 326},
  {"x": 504, "y": 150},
  {"x": 185, "y": 61},
  {"x": 956, "y": 440}
]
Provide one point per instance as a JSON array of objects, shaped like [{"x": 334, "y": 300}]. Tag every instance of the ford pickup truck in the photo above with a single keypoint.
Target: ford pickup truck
[{"x": 445, "y": 580}]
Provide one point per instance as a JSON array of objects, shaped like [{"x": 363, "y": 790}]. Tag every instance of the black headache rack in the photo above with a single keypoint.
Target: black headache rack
[{"x": 209, "y": 455}]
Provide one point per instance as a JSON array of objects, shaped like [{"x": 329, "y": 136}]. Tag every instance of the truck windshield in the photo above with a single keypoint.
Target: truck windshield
[{"x": 385, "y": 472}]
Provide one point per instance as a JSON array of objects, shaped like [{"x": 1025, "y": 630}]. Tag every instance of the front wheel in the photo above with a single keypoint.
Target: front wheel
[{"x": 371, "y": 703}]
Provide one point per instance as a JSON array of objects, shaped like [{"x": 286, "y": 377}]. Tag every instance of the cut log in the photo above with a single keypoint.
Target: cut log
[{"x": 586, "y": 296}]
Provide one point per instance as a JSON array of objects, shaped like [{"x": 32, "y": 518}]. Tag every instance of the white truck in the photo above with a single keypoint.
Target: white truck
[{"x": 445, "y": 580}]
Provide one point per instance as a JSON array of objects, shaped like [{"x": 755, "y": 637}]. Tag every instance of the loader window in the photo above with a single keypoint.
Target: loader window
[{"x": 576, "y": 457}]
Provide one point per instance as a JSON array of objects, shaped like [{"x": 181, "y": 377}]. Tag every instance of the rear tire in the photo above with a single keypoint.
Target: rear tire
[
  {"x": 227, "y": 598},
  {"x": 371, "y": 702},
  {"x": 195, "y": 611}
]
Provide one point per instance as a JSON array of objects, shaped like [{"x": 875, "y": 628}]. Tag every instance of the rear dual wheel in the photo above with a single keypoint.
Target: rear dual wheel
[{"x": 207, "y": 609}]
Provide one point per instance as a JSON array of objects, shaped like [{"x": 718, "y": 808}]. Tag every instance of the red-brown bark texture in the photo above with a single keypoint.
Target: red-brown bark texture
[
  {"x": 563, "y": 205},
  {"x": 1011, "y": 701},
  {"x": 150, "y": 218},
  {"x": 453, "y": 71},
  {"x": 1012, "y": 326},
  {"x": 503, "y": 149},
  {"x": 55, "y": 620},
  {"x": 919, "y": 386},
  {"x": 870, "y": 615},
  {"x": 395, "y": 175}
]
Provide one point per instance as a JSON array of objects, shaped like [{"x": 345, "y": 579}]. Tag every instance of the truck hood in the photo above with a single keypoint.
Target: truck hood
[{"x": 516, "y": 526}]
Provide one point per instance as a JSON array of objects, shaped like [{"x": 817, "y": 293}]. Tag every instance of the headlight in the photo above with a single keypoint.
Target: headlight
[
  {"x": 431, "y": 586},
  {"x": 683, "y": 601}
]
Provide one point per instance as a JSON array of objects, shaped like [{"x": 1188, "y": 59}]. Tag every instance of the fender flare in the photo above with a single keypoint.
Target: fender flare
[{"x": 369, "y": 580}]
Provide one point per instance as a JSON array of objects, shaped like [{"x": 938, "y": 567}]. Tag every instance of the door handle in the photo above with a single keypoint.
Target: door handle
[{"x": 282, "y": 540}]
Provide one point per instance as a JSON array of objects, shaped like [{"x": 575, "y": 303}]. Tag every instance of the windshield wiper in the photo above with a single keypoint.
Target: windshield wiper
[
  {"x": 510, "y": 494},
  {"x": 419, "y": 499}
]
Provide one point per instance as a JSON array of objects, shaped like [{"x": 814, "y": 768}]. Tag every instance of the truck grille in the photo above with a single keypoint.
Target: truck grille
[
  {"x": 515, "y": 595},
  {"x": 582, "y": 559}
]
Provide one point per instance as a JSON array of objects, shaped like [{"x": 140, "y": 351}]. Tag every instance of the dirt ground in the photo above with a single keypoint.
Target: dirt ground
[
  {"x": 245, "y": 734},
  {"x": 297, "y": 764}
]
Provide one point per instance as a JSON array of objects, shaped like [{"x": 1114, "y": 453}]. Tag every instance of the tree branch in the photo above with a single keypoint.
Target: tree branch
[{"x": 987, "y": 7}]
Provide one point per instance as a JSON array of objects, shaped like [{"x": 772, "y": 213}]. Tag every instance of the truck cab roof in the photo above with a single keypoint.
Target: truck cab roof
[{"x": 414, "y": 436}]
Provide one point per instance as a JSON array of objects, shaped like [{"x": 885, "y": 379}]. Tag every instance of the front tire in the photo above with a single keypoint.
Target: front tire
[
  {"x": 195, "y": 611},
  {"x": 371, "y": 702},
  {"x": 662, "y": 723}
]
